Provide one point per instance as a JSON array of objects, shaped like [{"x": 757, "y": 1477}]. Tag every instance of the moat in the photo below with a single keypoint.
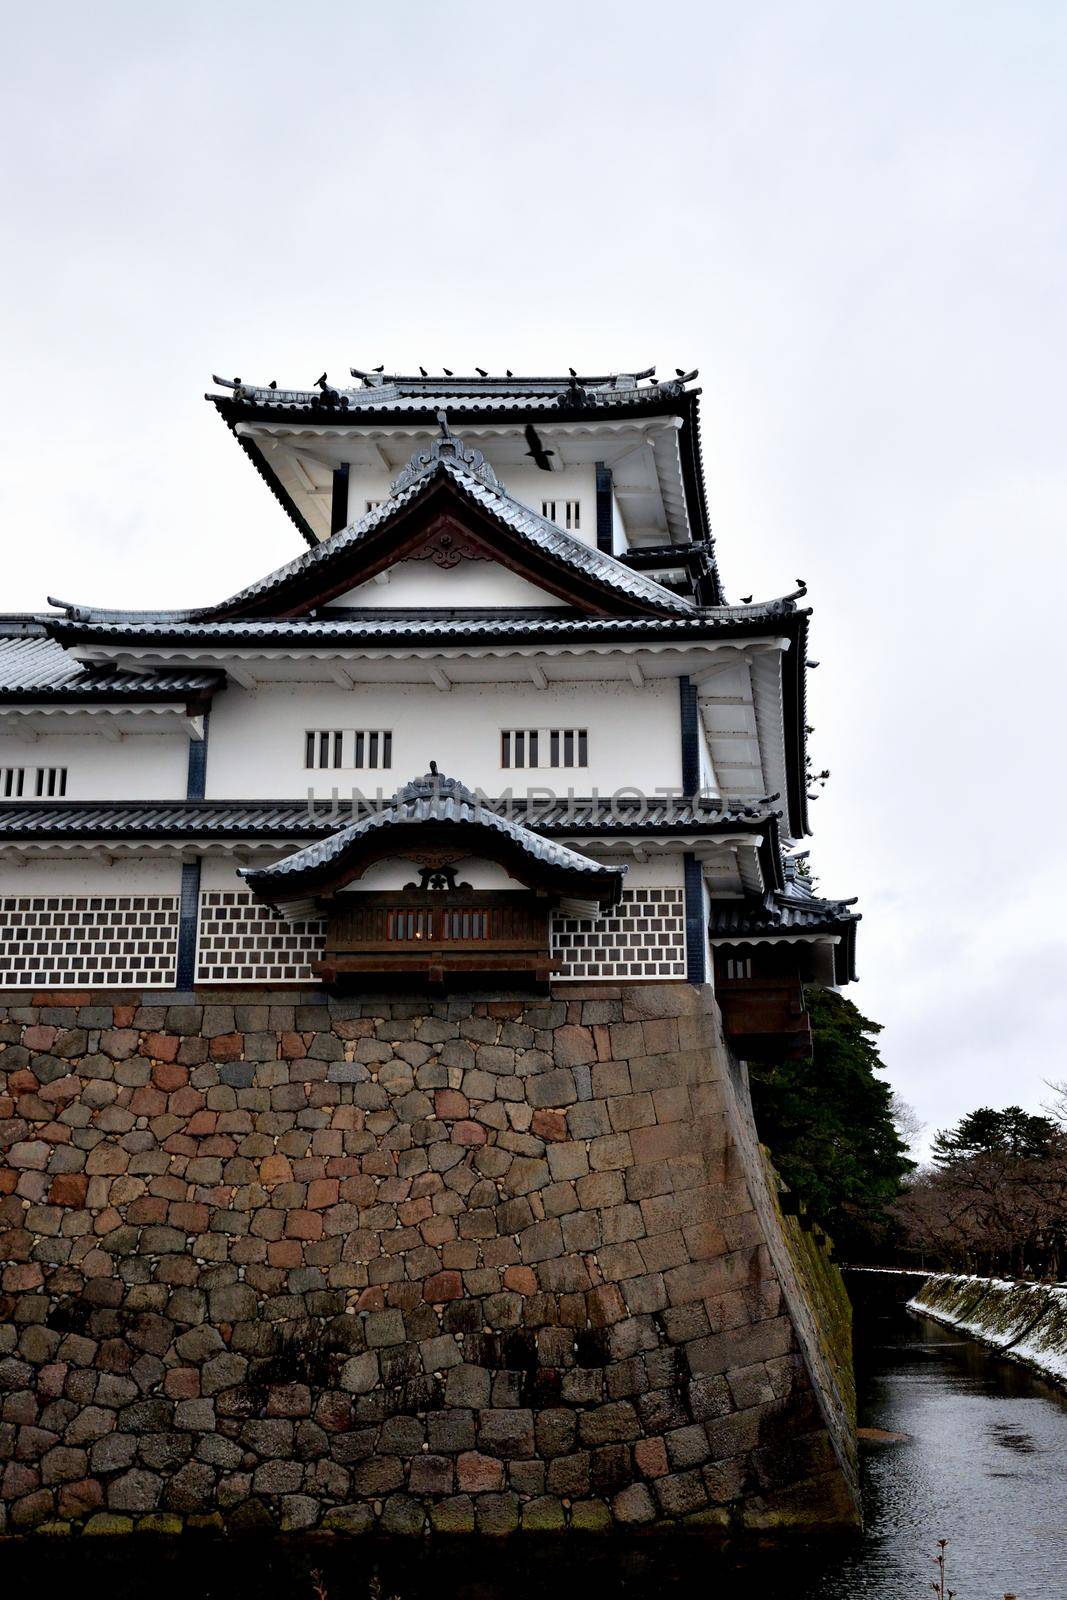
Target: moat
[{"x": 981, "y": 1464}]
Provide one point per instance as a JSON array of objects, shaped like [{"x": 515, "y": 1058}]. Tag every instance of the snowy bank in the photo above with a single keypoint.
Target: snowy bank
[{"x": 1025, "y": 1321}]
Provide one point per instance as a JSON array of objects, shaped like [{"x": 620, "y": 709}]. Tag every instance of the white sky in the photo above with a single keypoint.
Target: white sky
[{"x": 850, "y": 217}]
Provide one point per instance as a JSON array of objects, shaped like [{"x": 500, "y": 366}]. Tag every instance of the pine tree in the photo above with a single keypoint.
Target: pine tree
[{"x": 828, "y": 1124}]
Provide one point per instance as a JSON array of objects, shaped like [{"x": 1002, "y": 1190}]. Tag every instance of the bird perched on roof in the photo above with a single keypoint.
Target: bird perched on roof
[
  {"x": 379, "y": 369},
  {"x": 537, "y": 449},
  {"x": 685, "y": 377},
  {"x": 320, "y": 383},
  {"x": 447, "y": 371},
  {"x": 424, "y": 372},
  {"x": 481, "y": 372},
  {"x": 572, "y": 372},
  {"x": 811, "y": 663},
  {"x": 746, "y": 599},
  {"x": 273, "y": 384},
  {"x": 508, "y": 372}
]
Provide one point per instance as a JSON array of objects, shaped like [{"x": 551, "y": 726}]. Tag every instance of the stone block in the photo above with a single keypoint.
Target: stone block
[
  {"x": 507, "y": 1434},
  {"x": 633, "y": 1505}
]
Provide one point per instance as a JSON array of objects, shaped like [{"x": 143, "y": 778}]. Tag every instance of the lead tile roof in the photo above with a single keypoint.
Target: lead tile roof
[
  {"x": 292, "y": 819},
  {"x": 474, "y": 481},
  {"x": 468, "y": 394},
  {"x": 435, "y": 800},
  {"x": 33, "y": 666},
  {"x": 373, "y": 627}
]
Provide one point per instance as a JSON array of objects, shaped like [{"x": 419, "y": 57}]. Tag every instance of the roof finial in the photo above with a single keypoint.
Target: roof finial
[{"x": 442, "y": 423}]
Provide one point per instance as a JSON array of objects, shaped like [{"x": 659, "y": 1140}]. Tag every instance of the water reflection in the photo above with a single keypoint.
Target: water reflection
[{"x": 981, "y": 1463}]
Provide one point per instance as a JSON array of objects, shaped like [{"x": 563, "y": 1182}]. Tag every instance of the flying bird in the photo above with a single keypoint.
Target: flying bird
[
  {"x": 481, "y": 372},
  {"x": 537, "y": 449}
]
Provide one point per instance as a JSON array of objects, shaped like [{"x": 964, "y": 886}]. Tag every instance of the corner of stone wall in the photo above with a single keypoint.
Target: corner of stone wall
[{"x": 818, "y": 1306}]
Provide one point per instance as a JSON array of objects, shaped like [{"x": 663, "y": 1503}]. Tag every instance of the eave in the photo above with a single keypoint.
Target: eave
[
  {"x": 239, "y": 414},
  {"x": 112, "y": 720}
]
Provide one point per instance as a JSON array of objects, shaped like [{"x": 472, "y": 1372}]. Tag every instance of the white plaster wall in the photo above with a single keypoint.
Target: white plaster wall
[
  {"x": 257, "y": 736},
  {"x": 413, "y": 585},
  {"x": 89, "y": 875},
  {"x": 219, "y": 873},
  {"x": 527, "y": 484},
  {"x": 396, "y": 874},
  {"x": 665, "y": 873},
  {"x": 136, "y": 767},
  {"x": 530, "y": 486}
]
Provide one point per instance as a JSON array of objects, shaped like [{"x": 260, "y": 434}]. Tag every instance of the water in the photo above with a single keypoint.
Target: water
[{"x": 982, "y": 1465}]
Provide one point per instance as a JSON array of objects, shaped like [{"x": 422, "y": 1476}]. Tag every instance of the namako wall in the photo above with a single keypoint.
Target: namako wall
[{"x": 275, "y": 1260}]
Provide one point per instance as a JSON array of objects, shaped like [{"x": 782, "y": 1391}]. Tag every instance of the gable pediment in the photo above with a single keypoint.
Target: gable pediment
[
  {"x": 448, "y": 509},
  {"x": 452, "y": 568},
  {"x": 443, "y": 523}
]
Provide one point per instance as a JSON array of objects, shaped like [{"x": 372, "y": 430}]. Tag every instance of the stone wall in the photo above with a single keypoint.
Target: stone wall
[
  {"x": 283, "y": 1261},
  {"x": 1026, "y": 1322}
]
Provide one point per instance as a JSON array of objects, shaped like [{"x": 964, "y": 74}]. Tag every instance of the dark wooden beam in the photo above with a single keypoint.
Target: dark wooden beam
[{"x": 339, "y": 502}]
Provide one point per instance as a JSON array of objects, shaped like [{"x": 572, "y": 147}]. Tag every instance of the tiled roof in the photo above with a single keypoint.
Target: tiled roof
[
  {"x": 378, "y": 392},
  {"x": 778, "y": 913},
  {"x": 291, "y": 819},
  {"x": 432, "y": 800},
  {"x": 376, "y": 627},
  {"x": 500, "y": 399},
  {"x": 473, "y": 480},
  {"x": 34, "y": 666},
  {"x": 789, "y": 912}
]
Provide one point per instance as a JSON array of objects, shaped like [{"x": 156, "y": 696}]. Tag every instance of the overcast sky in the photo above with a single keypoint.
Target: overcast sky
[{"x": 850, "y": 217}]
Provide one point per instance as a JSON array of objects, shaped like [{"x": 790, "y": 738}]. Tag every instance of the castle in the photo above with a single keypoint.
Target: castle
[{"x": 379, "y": 949}]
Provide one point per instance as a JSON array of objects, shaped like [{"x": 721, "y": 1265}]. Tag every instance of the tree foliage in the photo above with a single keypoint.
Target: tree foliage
[
  {"x": 996, "y": 1200},
  {"x": 1012, "y": 1132},
  {"x": 829, "y": 1124}
]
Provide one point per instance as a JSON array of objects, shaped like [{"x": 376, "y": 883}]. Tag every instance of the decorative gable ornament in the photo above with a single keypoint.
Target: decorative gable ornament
[
  {"x": 447, "y": 547},
  {"x": 447, "y": 448}
]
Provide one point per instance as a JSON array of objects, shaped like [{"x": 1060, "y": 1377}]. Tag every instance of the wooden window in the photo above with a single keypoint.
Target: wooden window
[
  {"x": 544, "y": 747},
  {"x": 738, "y": 967},
  {"x": 567, "y": 513},
  {"x": 348, "y": 747},
  {"x": 42, "y": 783}
]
